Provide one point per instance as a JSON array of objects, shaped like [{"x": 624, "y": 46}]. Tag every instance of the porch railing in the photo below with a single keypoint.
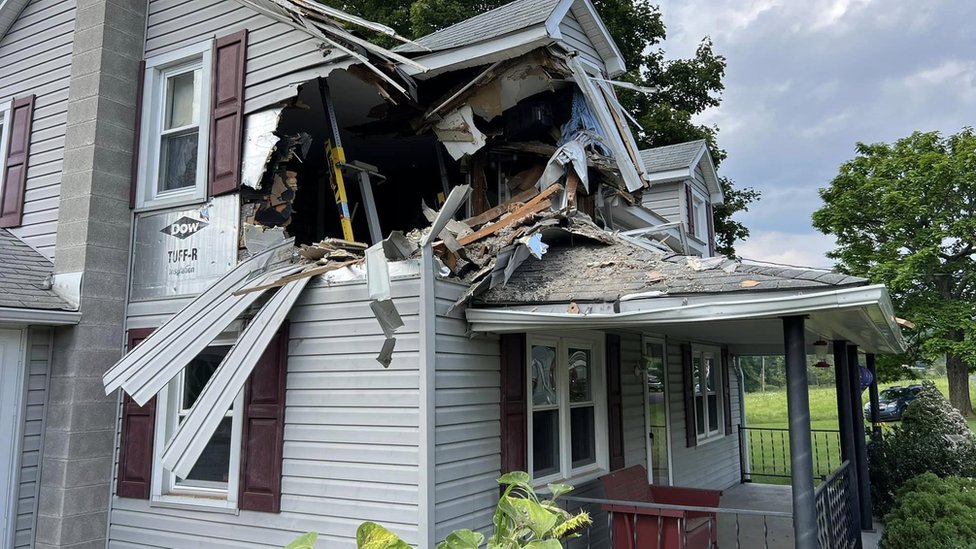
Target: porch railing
[
  {"x": 837, "y": 527},
  {"x": 764, "y": 453},
  {"x": 660, "y": 526}
]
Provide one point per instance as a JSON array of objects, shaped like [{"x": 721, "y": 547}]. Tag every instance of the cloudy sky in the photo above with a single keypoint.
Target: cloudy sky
[{"x": 807, "y": 79}]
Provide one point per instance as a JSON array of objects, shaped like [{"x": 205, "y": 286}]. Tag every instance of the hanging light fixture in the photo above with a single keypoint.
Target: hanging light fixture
[{"x": 820, "y": 349}]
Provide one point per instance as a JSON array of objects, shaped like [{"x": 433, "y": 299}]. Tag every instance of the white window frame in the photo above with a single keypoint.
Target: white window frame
[
  {"x": 158, "y": 69},
  {"x": 699, "y": 209},
  {"x": 593, "y": 343},
  {"x": 165, "y": 489},
  {"x": 4, "y": 138},
  {"x": 698, "y": 353}
]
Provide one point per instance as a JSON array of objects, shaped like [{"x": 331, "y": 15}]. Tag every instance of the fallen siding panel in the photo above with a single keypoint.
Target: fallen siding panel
[
  {"x": 35, "y": 58},
  {"x": 345, "y": 461}
]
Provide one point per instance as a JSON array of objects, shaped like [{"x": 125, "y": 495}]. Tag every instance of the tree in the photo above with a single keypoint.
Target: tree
[
  {"x": 685, "y": 87},
  {"x": 904, "y": 215}
]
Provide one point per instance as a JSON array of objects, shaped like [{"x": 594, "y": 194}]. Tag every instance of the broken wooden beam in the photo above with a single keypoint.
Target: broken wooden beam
[
  {"x": 534, "y": 206},
  {"x": 572, "y": 183},
  {"x": 501, "y": 209}
]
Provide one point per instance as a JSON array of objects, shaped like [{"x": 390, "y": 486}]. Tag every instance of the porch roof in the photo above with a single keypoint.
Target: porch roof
[
  {"x": 628, "y": 286},
  {"x": 25, "y": 286}
]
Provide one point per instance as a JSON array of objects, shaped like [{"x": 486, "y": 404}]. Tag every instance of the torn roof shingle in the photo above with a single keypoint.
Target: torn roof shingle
[
  {"x": 600, "y": 273},
  {"x": 22, "y": 275},
  {"x": 671, "y": 157},
  {"x": 500, "y": 21}
]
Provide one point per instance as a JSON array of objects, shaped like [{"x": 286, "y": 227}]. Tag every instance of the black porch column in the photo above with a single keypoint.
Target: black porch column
[
  {"x": 873, "y": 393},
  {"x": 844, "y": 423},
  {"x": 860, "y": 445},
  {"x": 801, "y": 456}
]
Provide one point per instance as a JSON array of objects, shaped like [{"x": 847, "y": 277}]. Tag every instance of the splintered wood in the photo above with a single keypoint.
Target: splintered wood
[{"x": 333, "y": 249}]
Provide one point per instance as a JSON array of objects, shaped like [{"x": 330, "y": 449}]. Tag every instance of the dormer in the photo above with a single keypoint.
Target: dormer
[{"x": 684, "y": 189}]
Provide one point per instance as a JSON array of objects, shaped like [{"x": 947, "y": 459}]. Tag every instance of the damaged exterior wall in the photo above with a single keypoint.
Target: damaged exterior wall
[
  {"x": 351, "y": 449},
  {"x": 279, "y": 57}
]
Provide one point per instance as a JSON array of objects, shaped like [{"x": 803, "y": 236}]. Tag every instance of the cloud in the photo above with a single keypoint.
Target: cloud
[
  {"x": 803, "y": 250},
  {"x": 808, "y": 80}
]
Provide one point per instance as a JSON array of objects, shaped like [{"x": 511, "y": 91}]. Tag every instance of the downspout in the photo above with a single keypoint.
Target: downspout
[{"x": 428, "y": 314}]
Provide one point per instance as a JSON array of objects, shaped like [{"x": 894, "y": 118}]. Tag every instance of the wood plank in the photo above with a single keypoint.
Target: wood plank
[
  {"x": 499, "y": 210},
  {"x": 537, "y": 204}
]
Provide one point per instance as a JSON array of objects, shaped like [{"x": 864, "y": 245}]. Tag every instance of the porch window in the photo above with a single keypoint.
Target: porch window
[
  {"x": 709, "y": 404},
  {"x": 215, "y": 474},
  {"x": 174, "y": 144},
  {"x": 567, "y": 410}
]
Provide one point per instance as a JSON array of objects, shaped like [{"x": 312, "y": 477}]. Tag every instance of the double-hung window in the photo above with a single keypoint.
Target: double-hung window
[
  {"x": 174, "y": 143},
  {"x": 215, "y": 475},
  {"x": 700, "y": 212},
  {"x": 567, "y": 409},
  {"x": 709, "y": 406}
]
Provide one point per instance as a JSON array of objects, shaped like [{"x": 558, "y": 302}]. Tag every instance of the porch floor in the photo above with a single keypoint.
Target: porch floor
[{"x": 765, "y": 497}]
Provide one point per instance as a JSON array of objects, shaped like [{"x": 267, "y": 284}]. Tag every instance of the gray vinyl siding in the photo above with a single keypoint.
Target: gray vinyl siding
[
  {"x": 35, "y": 58},
  {"x": 279, "y": 57},
  {"x": 575, "y": 39},
  {"x": 38, "y": 370},
  {"x": 713, "y": 464},
  {"x": 467, "y": 451},
  {"x": 635, "y": 447},
  {"x": 351, "y": 451},
  {"x": 698, "y": 182},
  {"x": 665, "y": 200}
]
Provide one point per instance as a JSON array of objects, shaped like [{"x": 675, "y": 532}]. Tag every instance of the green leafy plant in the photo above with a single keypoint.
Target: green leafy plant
[
  {"x": 938, "y": 513},
  {"x": 932, "y": 437},
  {"x": 522, "y": 520},
  {"x": 305, "y": 541}
]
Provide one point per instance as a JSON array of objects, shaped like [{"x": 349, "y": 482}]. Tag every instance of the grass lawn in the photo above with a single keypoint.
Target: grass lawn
[{"x": 769, "y": 450}]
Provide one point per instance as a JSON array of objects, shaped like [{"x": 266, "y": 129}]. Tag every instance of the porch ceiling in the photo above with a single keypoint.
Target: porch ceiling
[{"x": 862, "y": 315}]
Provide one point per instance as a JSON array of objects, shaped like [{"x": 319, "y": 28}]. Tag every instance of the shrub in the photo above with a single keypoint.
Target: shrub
[
  {"x": 521, "y": 520},
  {"x": 934, "y": 513},
  {"x": 932, "y": 437}
]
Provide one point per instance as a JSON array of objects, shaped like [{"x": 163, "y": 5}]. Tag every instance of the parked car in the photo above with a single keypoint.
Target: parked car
[{"x": 892, "y": 402}]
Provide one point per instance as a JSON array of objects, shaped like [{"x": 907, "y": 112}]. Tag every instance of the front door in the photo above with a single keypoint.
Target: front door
[
  {"x": 656, "y": 408},
  {"x": 11, "y": 401}
]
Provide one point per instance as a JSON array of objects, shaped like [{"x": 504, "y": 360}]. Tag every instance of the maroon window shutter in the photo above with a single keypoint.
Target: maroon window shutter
[
  {"x": 227, "y": 108},
  {"x": 688, "y": 382},
  {"x": 514, "y": 404},
  {"x": 710, "y": 215},
  {"x": 615, "y": 406},
  {"x": 137, "y": 134},
  {"x": 690, "y": 210},
  {"x": 262, "y": 438},
  {"x": 15, "y": 168},
  {"x": 727, "y": 388},
  {"x": 136, "y": 439}
]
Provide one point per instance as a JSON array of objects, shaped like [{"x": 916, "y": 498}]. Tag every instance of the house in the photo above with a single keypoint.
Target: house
[{"x": 335, "y": 270}]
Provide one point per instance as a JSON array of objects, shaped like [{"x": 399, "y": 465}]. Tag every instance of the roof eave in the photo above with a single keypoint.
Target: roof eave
[
  {"x": 39, "y": 317},
  {"x": 870, "y": 304},
  {"x": 614, "y": 62},
  {"x": 9, "y": 11},
  {"x": 481, "y": 53}
]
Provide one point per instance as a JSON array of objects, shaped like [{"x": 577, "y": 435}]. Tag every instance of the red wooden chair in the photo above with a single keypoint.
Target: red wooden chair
[{"x": 654, "y": 528}]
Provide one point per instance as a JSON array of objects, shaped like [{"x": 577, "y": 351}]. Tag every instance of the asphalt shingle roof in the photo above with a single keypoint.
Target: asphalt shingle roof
[
  {"x": 604, "y": 273},
  {"x": 671, "y": 157},
  {"x": 485, "y": 26},
  {"x": 22, "y": 274}
]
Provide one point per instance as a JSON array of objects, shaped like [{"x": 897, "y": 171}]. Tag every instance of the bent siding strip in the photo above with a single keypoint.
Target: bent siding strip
[
  {"x": 35, "y": 58},
  {"x": 351, "y": 449},
  {"x": 278, "y": 56}
]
